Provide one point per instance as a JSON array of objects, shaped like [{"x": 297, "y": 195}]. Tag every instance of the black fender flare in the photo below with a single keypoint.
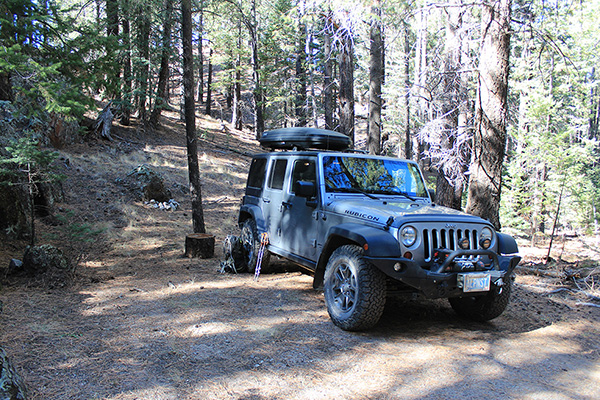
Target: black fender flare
[
  {"x": 373, "y": 240},
  {"x": 507, "y": 244},
  {"x": 254, "y": 212}
]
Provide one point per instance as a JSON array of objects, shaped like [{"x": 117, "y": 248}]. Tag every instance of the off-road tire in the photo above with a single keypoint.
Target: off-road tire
[
  {"x": 251, "y": 244},
  {"x": 354, "y": 290},
  {"x": 485, "y": 307}
]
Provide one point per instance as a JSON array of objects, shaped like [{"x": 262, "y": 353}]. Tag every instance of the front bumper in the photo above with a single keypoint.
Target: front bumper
[{"x": 438, "y": 284}]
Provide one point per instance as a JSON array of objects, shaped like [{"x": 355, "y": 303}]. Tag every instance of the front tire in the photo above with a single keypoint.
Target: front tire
[
  {"x": 251, "y": 244},
  {"x": 354, "y": 290},
  {"x": 486, "y": 307}
]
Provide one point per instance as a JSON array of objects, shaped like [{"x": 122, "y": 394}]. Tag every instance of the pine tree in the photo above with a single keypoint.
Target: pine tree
[{"x": 489, "y": 145}]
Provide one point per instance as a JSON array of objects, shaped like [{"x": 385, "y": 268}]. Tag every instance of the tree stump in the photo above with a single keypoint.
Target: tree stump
[{"x": 199, "y": 245}]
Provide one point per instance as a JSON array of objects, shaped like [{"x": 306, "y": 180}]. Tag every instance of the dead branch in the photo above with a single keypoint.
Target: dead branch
[
  {"x": 588, "y": 304},
  {"x": 542, "y": 272}
]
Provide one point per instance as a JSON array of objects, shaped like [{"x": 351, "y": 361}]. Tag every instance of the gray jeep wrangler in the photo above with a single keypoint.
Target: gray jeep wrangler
[{"x": 367, "y": 228}]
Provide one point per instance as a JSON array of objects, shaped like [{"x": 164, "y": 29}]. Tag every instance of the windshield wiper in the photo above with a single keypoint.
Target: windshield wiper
[
  {"x": 354, "y": 190},
  {"x": 396, "y": 192}
]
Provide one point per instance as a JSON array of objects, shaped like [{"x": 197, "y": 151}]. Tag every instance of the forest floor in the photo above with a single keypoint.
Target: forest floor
[{"x": 140, "y": 321}]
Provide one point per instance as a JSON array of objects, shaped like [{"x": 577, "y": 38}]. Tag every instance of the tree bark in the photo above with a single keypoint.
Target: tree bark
[
  {"x": 300, "y": 99},
  {"x": 163, "y": 75},
  {"x": 375, "y": 80},
  {"x": 190, "y": 118},
  {"x": 208, "y": 84},
  {"x": 259, "y": 122},
  {"x": 236, "y": 113},
  {"x": 112, "y": 31},
  {"x": 201, "y": 55},
  {"x": 408, "y": 153},
  {"x": 143, "y": 27},
  {"x": 420, "y": 80},
  {"x": 449, "y": 175},
  {"x": 489, "y": 142},
  {"x": 594, "y": 107},
  {"x": 126, "y": 86},
  {"x": 346, "y": 95},
  {"x": 327, "y": 78},
  {"x": 199, "y": 245}
]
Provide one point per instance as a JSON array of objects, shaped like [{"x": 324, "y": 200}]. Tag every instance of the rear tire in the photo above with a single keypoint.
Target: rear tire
[
  {"x": 485, "y": 307},
  {"x": 355, "y": 290},
  {"x": 251, "y": 244}
]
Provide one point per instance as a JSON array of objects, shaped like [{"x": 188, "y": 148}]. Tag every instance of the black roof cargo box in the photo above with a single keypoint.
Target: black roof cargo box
[{"x": 302, "y": 138}]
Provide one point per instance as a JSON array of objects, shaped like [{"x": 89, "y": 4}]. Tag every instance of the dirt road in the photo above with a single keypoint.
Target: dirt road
[{"x": 141, "y": 322}]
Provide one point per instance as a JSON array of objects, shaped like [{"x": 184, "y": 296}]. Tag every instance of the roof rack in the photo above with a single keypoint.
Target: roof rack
[{"x": 302, "y": 138}]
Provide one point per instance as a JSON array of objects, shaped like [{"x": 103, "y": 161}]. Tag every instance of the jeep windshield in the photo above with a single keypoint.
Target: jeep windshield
[{"x": 384, "y": 176}]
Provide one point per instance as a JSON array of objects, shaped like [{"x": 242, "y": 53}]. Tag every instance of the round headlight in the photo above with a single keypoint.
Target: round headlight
[
  {"x": 408, "y": 236},
  {"x": 485, "y": 238},
  {"x": 486, "y": 233}
]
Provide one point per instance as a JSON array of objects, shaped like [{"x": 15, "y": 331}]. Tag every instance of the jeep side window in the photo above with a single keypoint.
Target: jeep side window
[
  {"x": 304, "y": 170},
  {"x": 256, "y": 176},
  {"x": 277, "y": 174}
]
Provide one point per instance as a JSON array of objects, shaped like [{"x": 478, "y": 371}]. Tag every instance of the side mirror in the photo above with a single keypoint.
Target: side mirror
[
  {"x": 431, "y": 195},
  {"x": 305, "y": 189}
]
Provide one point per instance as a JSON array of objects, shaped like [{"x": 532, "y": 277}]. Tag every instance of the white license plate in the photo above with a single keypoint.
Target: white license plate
[{"x": 476, "y": 283}]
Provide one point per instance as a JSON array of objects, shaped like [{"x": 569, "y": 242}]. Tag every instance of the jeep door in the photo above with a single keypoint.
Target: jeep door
[
  {"x": 273, "y": 197},
  {"x": 299, "y": 225}
]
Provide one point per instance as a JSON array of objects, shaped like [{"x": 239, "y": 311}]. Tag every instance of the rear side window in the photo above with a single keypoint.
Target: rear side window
[
  {"x": 304, "y": 170},
  {"x": 278, "y": 174},
  {"x": 256, "y": 176}
]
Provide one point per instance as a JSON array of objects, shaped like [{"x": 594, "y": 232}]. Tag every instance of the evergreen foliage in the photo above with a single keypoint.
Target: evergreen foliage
[{"x": 273, "y": 63}]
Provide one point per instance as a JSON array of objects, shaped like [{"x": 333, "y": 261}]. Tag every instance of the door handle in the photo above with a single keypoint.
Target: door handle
[{"x": 266, "y": 200}]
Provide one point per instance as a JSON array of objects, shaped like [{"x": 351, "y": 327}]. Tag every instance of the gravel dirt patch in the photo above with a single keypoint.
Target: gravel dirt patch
[{"x": 140, "y": 321}]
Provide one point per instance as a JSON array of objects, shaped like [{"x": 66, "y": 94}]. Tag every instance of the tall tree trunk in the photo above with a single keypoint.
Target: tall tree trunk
[
  {"x": 346, "y": 95},
  {"x": 594, "y": 107},
  {"x": 201, "y": 55},
  {"x": 408, "y": 153},
  {"x": 311, "y": 78},
  {"x": 112, "y": 31},
  {"x": 489, "y": 142},
  {"x": 259, "y": 122},
  {"x": 449, "y": 175},
  {"x": 143, "y": 27},
  {"x": 208, "y": 84},
  {"x": 375, "y": 80},
  {"x": 327, "y": 78},
  {"x": 163, "y": 75},
  {"x": 300, "y": 99},
  {"x": 420, "y": 80},
  {"x": 236, "y": 114},
  {"x": 126, "y": 87},
  {"x": 190, "y": 117}
]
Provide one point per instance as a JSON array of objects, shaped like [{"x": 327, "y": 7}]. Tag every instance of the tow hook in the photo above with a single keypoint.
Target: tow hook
[{"x": 500, "y": 284}]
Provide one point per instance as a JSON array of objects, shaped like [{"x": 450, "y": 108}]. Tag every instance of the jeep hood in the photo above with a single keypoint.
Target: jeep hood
[{"x": 380, "y": 211}]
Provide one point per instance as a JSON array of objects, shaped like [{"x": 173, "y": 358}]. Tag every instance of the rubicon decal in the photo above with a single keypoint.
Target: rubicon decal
[{"x": 361, "y": 215}]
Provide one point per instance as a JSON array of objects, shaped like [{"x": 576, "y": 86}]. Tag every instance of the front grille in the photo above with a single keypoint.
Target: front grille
[{"x": 446, "y": 239}]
